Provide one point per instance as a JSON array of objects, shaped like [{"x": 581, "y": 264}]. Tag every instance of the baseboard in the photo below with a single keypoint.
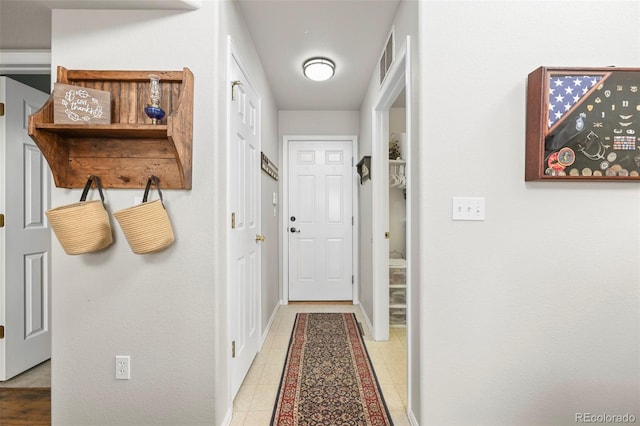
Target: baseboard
[
  {"x": 228, "y": 417},
  {"x": 265, "y": 333},
  {"x": 367, "y": 321},
  {"x": 412, "y": 419}
]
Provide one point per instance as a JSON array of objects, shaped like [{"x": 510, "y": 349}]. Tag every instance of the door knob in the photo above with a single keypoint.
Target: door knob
[
  {"x": 293, "y": 229},
  {"x": 259, "y": 237}
]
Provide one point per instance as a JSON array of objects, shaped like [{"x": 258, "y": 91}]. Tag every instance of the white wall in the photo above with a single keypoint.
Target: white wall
[
  {"x": 156, "y": 308},
  {"x": 167, "y": 310},
  {"x": 271, "y": 230},
  {"x": 341, "y": 123},
  {"x": 405, "y": 24},
  {"x": 270, "y": 213},
  {"x": 521, "y": 324}
]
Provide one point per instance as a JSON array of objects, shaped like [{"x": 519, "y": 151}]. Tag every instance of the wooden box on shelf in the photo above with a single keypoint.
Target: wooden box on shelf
[
  {"x": 583, "y": 124},
  {"x": 129, "y": 149}
]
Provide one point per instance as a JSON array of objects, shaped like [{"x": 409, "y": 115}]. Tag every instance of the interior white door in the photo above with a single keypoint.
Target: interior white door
[
  {"x": 25, "y": 238},
  {"x": 244, "y": 200},
  {"x": 320, "y": 220}
]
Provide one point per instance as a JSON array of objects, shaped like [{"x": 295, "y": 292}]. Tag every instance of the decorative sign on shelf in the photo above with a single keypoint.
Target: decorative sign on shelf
[
  {"x": 269, "y": 167},
  {"x": 80, "y": 105}
]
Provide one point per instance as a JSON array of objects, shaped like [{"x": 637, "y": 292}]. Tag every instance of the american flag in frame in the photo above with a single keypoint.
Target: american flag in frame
[{"x": 583, "y": 124}]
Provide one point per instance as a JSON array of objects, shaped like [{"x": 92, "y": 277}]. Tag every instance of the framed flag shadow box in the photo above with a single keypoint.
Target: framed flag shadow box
[{"x": 583, "y": 124}]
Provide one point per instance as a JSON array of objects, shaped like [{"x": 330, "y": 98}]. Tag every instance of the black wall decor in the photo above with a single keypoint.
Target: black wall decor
[{"x": 364, "y": 169}]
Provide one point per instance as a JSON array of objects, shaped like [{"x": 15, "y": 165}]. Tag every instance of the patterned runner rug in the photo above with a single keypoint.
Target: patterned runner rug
[{"x": 328, "y": 378}]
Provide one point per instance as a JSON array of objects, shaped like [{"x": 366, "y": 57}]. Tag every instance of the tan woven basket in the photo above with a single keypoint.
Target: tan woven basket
[
  {"x": 146, "y": 226},
  {"x": 82, "y": 227}
]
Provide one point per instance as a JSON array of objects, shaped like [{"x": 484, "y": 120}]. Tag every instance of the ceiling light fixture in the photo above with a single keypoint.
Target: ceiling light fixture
[{"x": 319, "y": 69}]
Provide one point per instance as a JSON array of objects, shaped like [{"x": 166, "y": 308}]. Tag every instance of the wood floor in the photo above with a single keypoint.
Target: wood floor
[
  {"x": 25, "y": 406},
  {"x": 26, "y": 399}
]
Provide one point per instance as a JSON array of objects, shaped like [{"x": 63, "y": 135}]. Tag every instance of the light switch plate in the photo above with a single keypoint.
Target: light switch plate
[{"x": 468, "y": 208}]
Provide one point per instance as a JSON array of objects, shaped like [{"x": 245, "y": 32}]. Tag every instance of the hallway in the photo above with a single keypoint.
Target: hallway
[{"x": 254, "y": 403}]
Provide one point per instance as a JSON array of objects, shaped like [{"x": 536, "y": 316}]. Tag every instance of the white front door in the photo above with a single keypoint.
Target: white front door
[
  {"x": 25, "y": 238},
  {"x": 320, "y": 226},
  {"x": 243, "y": 187}
]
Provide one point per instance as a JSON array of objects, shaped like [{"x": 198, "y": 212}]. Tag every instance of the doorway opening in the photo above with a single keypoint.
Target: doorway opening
[
  {"x": 392, "y": 220},
  {"x": 397, "y": 196}
]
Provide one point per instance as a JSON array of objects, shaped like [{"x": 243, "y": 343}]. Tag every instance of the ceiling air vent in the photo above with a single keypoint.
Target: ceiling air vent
[{"x": 386, "y": 59}]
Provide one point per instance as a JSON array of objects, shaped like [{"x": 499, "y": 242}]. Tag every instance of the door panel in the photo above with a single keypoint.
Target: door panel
[
  {"x": 335, "y": 199},
  {"x": 35, "y": 170},
  {"x": 306, "y": 259},
  {"x": 320, "y": 200},
  {"x": 25, "y": 240},
  {"x": 335, "y": 259},
  {"x": 35, "y": 295},
  {"x": 305, "y": 213},
  {"x": 244, "y": 251},
  {"x": 335, "y": 158}
]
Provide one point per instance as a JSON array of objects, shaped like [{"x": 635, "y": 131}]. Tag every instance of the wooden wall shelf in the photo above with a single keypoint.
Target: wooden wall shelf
[{"x": 125, "y": 152}]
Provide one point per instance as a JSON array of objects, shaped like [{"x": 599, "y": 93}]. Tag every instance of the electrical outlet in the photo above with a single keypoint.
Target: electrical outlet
[{"x": 123, "y": 367}]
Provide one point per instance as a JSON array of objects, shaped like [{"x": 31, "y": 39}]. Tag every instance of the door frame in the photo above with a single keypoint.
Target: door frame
[
  {"x": 27, "y": 61},
  {"x": 284, "y": 218},
  {"x": 397, "y": 79},
  {"x": 233, "y": 55}
]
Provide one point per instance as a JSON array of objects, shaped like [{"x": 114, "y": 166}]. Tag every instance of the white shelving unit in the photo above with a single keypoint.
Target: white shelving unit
[
  {"x": 397, "y": 174},
  {"x": 397, "y": 293}
]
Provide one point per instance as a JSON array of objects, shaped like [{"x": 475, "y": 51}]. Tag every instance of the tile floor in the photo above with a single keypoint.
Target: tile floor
[{"x": 254, "y": 403}]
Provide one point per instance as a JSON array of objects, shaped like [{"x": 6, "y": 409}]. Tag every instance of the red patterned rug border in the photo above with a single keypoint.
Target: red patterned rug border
[{"x": 374, "y": 405}]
